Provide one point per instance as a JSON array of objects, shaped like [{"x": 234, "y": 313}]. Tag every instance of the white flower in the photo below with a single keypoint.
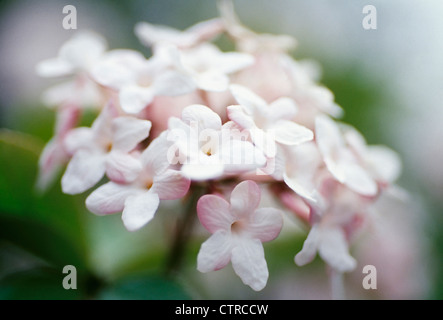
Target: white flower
[
  {"x": 139, "y": 199},
  {"x": 340, "y": 159},
  {"x": 138, "y": 80},
  {"x": 105, "y": 147},
  {"x": 208, "y": 150},
  {"x": 238, "y": 229},
  {"x": 79, "y": 54},
  {"x": 151, "y": 35},
  {"x": 210, "y": 68},
  {"x": 331, "y": 244},
  {"x": 301, "y": 166},
  {"x": 267, "y": 124}
]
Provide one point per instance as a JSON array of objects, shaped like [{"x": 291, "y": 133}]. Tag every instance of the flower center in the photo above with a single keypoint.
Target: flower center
[
  {"x": 236, "y": 226},
  {"x": 148, "y": 184}
]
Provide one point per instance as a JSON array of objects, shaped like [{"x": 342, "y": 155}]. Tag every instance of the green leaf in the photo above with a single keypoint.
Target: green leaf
[
  {"x": 50, "y": 225},
  {"x": 37, "y": 284},
  {"x": 148, "y": 287}
]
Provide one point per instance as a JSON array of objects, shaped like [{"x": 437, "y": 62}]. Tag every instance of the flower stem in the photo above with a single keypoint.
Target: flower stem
[
  {"x": 337, "y": 284},
  {"x": 183, "y": 231}
]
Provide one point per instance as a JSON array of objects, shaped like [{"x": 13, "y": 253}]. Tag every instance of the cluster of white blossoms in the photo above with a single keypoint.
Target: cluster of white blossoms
[{"x": 240, "y": 123}]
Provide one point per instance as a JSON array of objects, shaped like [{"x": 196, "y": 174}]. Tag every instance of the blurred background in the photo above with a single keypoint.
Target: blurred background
[{"x": 389, "y": 82}]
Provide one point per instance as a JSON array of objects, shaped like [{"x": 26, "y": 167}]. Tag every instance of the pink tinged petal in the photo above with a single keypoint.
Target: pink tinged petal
[
  {"x": 248, "y": 99},
  {"x": 122, "y": 167},
  {"x": 307, "y": 254},
  {"x": 215, "y": 253},
  {"x": 237, "y": 114},
  {"x": 212, "y": 81},
  {"x": 170, "y": 185},
  {"x": 201, "y": 116},
  {"x": 54, "y": 68},
  {"x": 358, "y": 180},
  {"x": 128, "y": 132},
  {"x": 384, "y": 163},
  {"x": 84, "y": 171},
  {"x": 265, "y": 224},
  {"x": 51, "y": 160},
  {"x": 248, "y": 261},
  {"x": 214, "y": 213},
  {"x": 245, "y": 198},
  {"x": 134, "y": 99},
  {"x": 109, "y": 198},
  {"x": 173, "y": 83},
  {"x": 290, "y": 133},
  {"x": 139, "y": 210},
  {"x": 333, "y": 249}
]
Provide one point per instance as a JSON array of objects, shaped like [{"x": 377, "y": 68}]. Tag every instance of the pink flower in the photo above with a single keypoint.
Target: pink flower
[
  {"x": 105, "y": 147},
  {"x": 140, "y": 198},
  {"x": 238, "y": 229}
]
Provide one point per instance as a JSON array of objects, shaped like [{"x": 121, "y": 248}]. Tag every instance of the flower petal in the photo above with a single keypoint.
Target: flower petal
[
  {"x": 122, "y": 167},
  {"x": 203, "y": 171},
  {"x": 109, "y": 198},
  {"x": 214, "y": 213},
  {"x": 248, "y": 261},
  {"x": 248, "y": 99},
  {"x": 283, "y": 108},
  {"x": 215, "y": 253},
  {"x": 173, "y": 83},
  {"x": 290, "y": 133},
  {"x": 328, "y": 136},
  {"x": 170, "y": 185},
  {"x": 202, "y": 116},
  {"x": 139, "y": 210},
  {"x": 384, "y": 163},
  {"x": 84, "y": 170},
  {"x": 333, "y": 249},
  {"x": 212, "y": 81},
  {"x": 245, "y": 198},
  {"x": 54, "y": 68},
  {"x": 230, "y": 62},
  {"x": 266, "y": 224},
  {"x": 155, "y": 157},
  {"x": 128, "y": 132},
  {"x": 241, "y": 156},
  {"x": 237, "y": 114},
  {"x": 358, "y": 180},
  {"x": 79, "y": 138},
  {"x": 310, "y": 246},
  {"x": 134, "y": 99}
]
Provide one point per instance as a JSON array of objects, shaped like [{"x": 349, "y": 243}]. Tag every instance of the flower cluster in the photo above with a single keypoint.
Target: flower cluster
[{"x": 241, "y": 123}]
